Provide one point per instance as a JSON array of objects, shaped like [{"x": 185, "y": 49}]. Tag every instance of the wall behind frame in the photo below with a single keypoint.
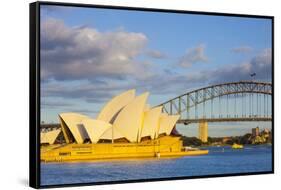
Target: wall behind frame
[{"x": 14, "y": 79}]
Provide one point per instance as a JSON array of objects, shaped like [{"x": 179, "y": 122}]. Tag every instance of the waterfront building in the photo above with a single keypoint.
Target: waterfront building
[
  {"x": 265, "y": 133},
  {"x": 125, "y": 127},
  {"x": 124, "y": 117},
  {"x": 225, "y": 139},
  {"x": 255, "y": 131}
]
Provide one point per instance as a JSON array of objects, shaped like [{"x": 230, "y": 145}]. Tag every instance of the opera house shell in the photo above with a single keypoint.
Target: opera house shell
[{"x": 125, "y": 120}]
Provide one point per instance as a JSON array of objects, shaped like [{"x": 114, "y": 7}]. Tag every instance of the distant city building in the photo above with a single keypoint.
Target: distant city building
[
  {"x": 265, "y": 133},
  {"x": 225, "y": 139},
  {"x": 266, "y": 130},
  {"x": 203, "y": 131},
  {"x": 255, "y": 131}
]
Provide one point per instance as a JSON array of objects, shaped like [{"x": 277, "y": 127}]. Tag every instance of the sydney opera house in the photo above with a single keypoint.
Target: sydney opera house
[{"x": 126, "y": 127}]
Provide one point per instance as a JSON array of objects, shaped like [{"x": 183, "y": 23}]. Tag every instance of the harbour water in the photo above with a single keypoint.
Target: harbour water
[{"x": 220, "y": 160}]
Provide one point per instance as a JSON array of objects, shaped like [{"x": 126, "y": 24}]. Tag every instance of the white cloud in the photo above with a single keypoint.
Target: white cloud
[
  {"x": 162, "y": 83},
  {"x": 156, "y": 54},
  {"x": 261, "y": 64},
  {"x": 193, "y": 55},
  {"x": 242, "y": 49},
  {"x": 69, "y": 53}
]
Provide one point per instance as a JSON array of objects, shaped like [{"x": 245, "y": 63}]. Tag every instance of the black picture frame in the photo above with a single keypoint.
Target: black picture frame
[{"x": 34, "y": 90}]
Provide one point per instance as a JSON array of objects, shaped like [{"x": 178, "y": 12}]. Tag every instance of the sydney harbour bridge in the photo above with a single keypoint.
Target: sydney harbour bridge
[{"x": 227, "y": 102}]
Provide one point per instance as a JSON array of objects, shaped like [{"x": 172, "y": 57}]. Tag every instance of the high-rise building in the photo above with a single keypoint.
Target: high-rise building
[{"x": 255, "y": 131}]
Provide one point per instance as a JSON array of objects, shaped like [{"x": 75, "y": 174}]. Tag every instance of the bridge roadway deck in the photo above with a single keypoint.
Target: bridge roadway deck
[{"x": 230, "y": 119}]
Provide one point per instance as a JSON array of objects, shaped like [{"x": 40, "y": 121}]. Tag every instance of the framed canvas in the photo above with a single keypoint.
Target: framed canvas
[{"x": 122, "y": 94}]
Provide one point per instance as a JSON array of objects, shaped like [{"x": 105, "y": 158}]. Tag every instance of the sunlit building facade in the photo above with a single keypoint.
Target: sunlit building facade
[{"x": 125, "y": 127}]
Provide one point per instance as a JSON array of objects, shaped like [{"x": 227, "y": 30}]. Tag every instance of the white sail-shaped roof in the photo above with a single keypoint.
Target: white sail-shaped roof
[
  {"x": 109, "y": 134},
  {"x": 146, "y": 107},
  {"x": 151, "y": 122},
  {"x": 95, "y": 128},
  {"x": 50, "y": 136},
  {"x": 129, "y": 120},
  {"x": 110, "y": 110},
  {"x": 74, "y": 121},
  {"x": 167, "y": 123}
]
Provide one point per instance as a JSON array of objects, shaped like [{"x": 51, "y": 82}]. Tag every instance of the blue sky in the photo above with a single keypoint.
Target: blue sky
[{"x": 89, "y": 55}]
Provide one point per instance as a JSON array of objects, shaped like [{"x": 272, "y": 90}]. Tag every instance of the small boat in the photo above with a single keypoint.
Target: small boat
[
  {"x": 189, "y": 148},
  {"x": 237, "y": 146}
]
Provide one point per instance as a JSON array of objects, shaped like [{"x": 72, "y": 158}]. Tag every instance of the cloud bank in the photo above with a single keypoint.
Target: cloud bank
[
  {"x": 85, "y": 53},
  {"x": 193, "y": 55},
  {"x": 261, "y": 64},
  {"x": 83, "y": 63}
]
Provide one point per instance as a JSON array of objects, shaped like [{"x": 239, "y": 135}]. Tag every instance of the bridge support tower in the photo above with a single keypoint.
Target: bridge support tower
[{"x": 203, "y": 131}]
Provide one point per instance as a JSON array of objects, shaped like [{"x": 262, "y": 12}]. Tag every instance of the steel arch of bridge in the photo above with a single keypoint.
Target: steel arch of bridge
[{"x": 192, "y": 99}]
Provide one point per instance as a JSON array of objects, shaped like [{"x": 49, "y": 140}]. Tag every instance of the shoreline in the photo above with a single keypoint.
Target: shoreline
[{"x": 227, "y": 145}]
